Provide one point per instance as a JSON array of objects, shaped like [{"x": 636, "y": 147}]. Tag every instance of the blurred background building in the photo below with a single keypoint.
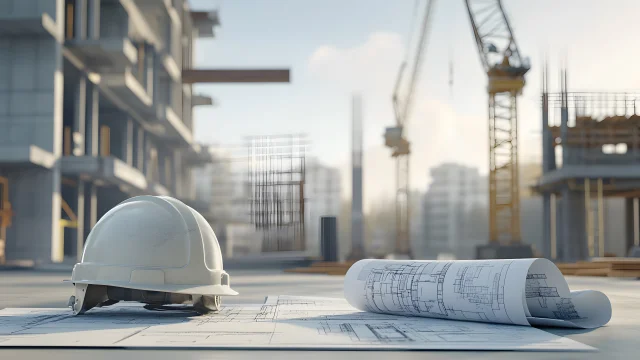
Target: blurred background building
[
  {"x": 93, "y": 110},
  {"x": 323, "y": 199},
  {"x": 453, "y": 207}
]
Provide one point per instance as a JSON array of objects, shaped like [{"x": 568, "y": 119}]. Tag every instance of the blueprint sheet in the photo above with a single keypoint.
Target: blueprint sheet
[
  {"x": 282, "y": 322},
  {"x": 515, "y": 292}
]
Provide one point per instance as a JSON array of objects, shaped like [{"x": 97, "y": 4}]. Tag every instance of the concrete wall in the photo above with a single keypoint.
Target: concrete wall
[
  {"x": 114, "y": 21},
  {"x": 33, "y": 194},
  {"x": 29, "y": 8},
  {"x": 31, "y": 88},
  {"x": 27, "y": 68}
]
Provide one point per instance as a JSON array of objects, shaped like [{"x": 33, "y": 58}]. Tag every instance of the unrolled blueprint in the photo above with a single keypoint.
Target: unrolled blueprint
[
  {"x": 516, "y": 292},
  {"x": 282, "y": 322}
]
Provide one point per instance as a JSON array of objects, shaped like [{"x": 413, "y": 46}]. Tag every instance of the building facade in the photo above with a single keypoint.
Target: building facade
[
  {"x": 93, "y": 110},
  {"x": 450, "y": 206}
]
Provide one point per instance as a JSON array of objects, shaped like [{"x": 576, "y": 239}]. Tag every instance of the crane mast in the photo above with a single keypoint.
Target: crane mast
[
  {"x": 505, "y": 69},
  {"x": 396, "y": 139}
]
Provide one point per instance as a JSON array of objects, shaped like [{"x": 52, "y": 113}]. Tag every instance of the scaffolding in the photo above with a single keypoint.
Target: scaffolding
[
  {"x": 276, "y": 189},
  {"x": 590, "y": 150}
]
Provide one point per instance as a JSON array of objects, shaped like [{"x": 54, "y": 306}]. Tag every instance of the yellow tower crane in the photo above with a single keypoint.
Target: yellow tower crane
[
  {"x": 396, "y": 139},
  {"x": 505, "y": 68}
]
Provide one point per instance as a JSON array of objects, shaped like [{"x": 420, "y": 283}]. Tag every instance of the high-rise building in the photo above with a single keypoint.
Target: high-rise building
[
  {"x": 93, "y": 110},
  {"x": 450, "y": 211}
]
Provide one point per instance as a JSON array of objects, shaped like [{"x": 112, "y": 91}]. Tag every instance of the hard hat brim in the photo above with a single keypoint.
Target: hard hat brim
[{"x": 222, "y": 290}]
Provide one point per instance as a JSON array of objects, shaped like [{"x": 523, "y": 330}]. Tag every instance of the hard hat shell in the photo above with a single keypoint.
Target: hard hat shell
[{"x": 153, "y": 243}]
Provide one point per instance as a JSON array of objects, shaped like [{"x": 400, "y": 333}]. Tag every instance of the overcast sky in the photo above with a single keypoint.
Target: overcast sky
[{"x": 336, "y": 47}]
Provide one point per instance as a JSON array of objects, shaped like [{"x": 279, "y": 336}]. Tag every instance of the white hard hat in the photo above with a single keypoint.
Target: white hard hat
[{"x": 151, "y": 249}]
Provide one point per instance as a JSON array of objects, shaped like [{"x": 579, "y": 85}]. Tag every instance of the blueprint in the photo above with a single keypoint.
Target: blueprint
[
  {"x": 516, "y": 292},
  {"x": 281, "y": 322}
]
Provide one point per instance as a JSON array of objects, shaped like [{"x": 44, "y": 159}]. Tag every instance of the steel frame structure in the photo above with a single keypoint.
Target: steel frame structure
[
  {"x": 590, "y": 129},
  {"x": 504, "y": 197},
  {"x": 276, "y": 188},
  {"x": 505, "y": 69}
]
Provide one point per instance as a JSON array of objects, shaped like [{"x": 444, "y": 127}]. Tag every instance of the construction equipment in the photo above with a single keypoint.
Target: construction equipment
[
  {"x": 396, "y": 139},
  {"x": 151, "y": 249},
  {"x": 505, "y": 68}
]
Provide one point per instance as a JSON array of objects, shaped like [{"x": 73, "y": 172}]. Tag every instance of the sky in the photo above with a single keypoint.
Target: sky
[{"x": 335, "y": 48}]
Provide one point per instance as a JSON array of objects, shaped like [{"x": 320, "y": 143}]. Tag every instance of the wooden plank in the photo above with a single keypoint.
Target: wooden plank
[
  {"x": 625, "y": 273},
  {"x": 592, "y": 272},
  {"x": 232, "y": 76},
  {"x": 592, "y": 265},
  {"x": 333, "y": 264},
  {"x": 625, "y": 266}
]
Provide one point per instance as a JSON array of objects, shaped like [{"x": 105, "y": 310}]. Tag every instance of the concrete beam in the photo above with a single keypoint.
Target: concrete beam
[
  {"x": 590, "y": 171},
  {"x": 230, "y": 76},
  {"x": 26, "y": 155}
]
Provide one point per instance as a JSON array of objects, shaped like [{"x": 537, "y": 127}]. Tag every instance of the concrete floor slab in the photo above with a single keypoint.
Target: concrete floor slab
[{"x": 617, "y": 340}]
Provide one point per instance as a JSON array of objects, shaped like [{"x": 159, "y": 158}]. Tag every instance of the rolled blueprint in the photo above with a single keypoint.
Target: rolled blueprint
[{"x": 517, "y": 291}]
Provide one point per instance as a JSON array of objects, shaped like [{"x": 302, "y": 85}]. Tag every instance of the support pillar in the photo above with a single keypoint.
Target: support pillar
[
  {"x": 629, "y": 224},
  {"x": 90, "y": 207},
  {"x": 553, "y": 229},
  {"x": 600, "y": 219},
  {"x": 92, "y": 124},
  {"x": 140, "y": 156},
  {"x": 93, "y": 19},
  {"x": 81, "y": 19},
  {"x": 80, "y": 115},
  {"x": 127, "y": 144},
  {"x": 589, "y": 217},
  {"x": 80, "y": 214},
  {"x": 546, "y": 225},
  {"x": 572, "y": 233}
]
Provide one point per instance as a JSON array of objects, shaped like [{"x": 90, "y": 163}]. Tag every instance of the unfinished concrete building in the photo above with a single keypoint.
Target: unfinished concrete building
[
  {"x": 591, "y": 151},
  {"x": 93, "y": 110}
]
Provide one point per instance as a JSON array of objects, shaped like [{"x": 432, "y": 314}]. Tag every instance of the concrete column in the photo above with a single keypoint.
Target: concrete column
[
  {"x": 547, "y": 148},
  {"x": 81, "y": 19},
  {"x": 147, "y": 154},
  {"x": 632, "y": 224},
  {"x": 127, "y": 144},
  {"x": 140, "y": 152},
  {"x": 178, "y": 178},
  {"x": 80, "y": 115},
  {"x": 92, "y": 126},
  {"x": 155, "y": 77},
  {"x": 90, "y": 207},
  {"x": 93, "y": 19},
  {"x": 564, "y": 132},
  {"x": 546, "y": 225},
  {"x": 573, "y": 235},
  {"x": 80, "y": 233}
]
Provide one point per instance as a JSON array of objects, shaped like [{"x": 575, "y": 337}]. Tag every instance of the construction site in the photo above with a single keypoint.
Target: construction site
[
  {"x": 109, "y": 114},
  {"x": 159, "y": 156},
  {"x": 96, "y": 106}
]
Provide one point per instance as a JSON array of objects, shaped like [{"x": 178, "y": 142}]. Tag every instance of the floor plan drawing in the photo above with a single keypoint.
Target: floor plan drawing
[
  {"x": 282, "y": 322},
  {"x": 510, "y": 291},
  {"x": 545, "y": 300},
  {"x": 433, "y": 289}
]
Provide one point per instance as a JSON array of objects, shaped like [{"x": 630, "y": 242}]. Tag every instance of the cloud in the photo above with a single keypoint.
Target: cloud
[
  {"x": 438, "y": 134},
  {"x": 368, "y": 68}
]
